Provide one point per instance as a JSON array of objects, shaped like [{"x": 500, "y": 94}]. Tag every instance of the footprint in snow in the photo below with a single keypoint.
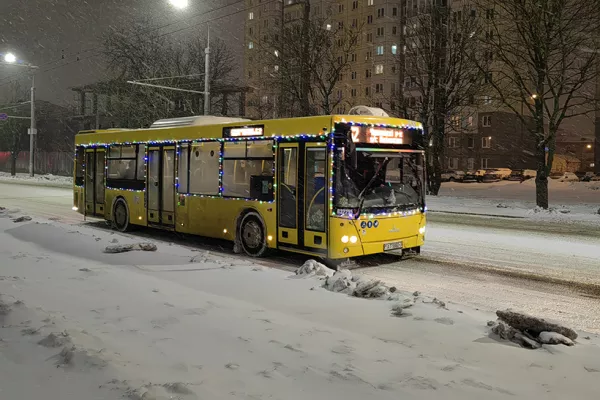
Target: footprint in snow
[
  {"x": 342, "y": 349},
  {"x": 444, "y": 321}
]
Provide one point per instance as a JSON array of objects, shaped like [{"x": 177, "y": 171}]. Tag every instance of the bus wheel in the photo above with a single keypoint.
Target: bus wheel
[
  {"x": 252, "y": 235},
  {"x": 121, "y": 215}
]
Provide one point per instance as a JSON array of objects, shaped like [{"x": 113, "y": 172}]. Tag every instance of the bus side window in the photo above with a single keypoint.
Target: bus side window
[
  {"x": 79, "y": 166},
  {"x": 204, "y": 168},
  {"x": 183, "y": 168},
  {"x": 141, "y": 162},
  {"x": 248, "y": 169}
]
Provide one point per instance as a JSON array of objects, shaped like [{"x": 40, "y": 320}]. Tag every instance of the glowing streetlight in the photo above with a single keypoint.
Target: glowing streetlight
[
  {"x": 534, "y": 96},
  {"x": 10, "y": 58},
  {"x": 181, "y": 4},
  {"x": 589, "y": 146}
]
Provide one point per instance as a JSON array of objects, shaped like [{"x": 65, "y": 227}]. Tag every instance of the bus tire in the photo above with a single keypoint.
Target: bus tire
[
  {"x": 121, "y": 215},
  {"x": 252, "y": 235}
]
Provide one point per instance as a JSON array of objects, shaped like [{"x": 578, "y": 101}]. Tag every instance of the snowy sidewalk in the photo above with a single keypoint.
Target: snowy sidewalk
[
  {"x": 47, "y": 180},
  {"x": 577, "y": 202},
  {"x": 178, "y": 323}
]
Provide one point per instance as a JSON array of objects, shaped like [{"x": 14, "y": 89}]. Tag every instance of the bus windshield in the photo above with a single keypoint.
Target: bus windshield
[{"x": 380, "y": 181}]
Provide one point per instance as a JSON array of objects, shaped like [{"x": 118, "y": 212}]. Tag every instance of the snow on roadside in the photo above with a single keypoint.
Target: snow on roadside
[
  {"x": 38, "y": 180},
  {"x": 561, "y": 213},
  {"x": 170, "y": 323},
  {"x": 569, "y": 201}
]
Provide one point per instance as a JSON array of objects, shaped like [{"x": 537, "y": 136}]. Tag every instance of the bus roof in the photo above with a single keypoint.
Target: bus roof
[{"x": 272, "y": 127}]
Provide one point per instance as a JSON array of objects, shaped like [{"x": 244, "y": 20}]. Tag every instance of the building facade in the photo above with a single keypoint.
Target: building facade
[{"x": 486, "y": 136}]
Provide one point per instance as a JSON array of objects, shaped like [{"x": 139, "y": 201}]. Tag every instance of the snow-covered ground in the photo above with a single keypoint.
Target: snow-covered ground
[
  {"x": 186, "y": 324},
  {"x": 569, "y": 201},
  {"x": 38, "y": 180}
]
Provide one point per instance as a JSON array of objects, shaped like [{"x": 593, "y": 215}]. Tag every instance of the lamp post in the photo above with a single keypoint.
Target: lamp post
[
  {"x": 11, "y": 59},
  {"x": 181, "y": 4}
]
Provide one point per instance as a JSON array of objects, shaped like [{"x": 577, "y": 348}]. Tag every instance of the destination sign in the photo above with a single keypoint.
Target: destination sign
[
  {"x": 379, "y": 135},
  {"x": 245, "y": 131}
]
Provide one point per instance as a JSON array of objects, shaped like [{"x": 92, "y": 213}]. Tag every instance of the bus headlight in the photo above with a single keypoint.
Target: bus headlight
[
  {"x": 422, "y": 230},
  {"x": 353, "y": 239},
  {"x": 345, "y": 239}
]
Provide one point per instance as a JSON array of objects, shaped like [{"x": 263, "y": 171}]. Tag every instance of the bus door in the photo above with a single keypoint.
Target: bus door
[
  {"x": 288, "y": 193},
  {"x": 161, "y": 186},
  {"x": 302, "y": 189},
  {"x": 94, "y": 181},
  {"x": 315, "y": 197}
]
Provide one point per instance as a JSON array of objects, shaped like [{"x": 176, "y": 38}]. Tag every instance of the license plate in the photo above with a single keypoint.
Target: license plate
[{"x": 392, "y": 246}]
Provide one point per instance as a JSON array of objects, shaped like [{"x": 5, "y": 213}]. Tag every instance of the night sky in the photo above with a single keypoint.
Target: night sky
[{"x": 42, "y": 31}]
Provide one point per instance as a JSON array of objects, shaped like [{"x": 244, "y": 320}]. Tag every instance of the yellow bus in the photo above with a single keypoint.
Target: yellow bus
[{"x": 334, "y": 187}]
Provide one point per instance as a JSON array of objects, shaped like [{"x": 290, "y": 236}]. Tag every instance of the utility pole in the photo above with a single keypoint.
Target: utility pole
[
  {"x": 207, "y": 76},
  {"x": 32, "y": 132},
  {"x": 305, "y": 68}
]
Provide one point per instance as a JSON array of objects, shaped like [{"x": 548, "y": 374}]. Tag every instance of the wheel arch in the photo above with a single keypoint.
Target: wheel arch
[
  {"x": 114, "y": 203},
  {"x": 240, "y": 218},
  {"x": 120, "y": 199}
]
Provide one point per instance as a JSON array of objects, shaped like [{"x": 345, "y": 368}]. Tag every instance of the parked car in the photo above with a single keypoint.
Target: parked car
[
  {"x": 556, "y": 175},
  {"x": 517, "y": 175},
  {"x": 522, "y": 174},
  {"x": 584, "y": 176},
  {"x": 503, "y": 173},
  {"x": 569, "y": 177},
  {"x": 491, "y": 176},
  {"x": 453, "y": 176},
  {"x": 595, "y": 178},
  {"x": 471, "y": 176}
]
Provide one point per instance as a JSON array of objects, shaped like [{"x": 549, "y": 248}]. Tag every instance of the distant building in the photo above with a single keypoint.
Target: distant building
[
  {"x": 577, "y": 146},
  {"x": 487, "y": 136}
]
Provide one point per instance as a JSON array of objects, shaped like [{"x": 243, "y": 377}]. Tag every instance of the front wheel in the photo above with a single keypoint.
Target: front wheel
[
  {"x": 121, "y": 215},
  {"x": 252, "y": 236}
]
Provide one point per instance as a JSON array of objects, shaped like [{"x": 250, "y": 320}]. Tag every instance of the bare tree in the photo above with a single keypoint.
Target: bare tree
[
  {"x": 152, "y": 56},
  {"x": 441, "y": 76},
  {"x": 545, "y": 58},
  {"x": 308, "y": 51},
  {"x": 13, "y": 132}
]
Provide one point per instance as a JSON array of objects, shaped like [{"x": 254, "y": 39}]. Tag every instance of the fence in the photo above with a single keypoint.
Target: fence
[{"x": 55, "y": 163}]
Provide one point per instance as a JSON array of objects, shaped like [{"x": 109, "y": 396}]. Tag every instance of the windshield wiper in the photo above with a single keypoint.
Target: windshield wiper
[{"x": 361, "y": 195}]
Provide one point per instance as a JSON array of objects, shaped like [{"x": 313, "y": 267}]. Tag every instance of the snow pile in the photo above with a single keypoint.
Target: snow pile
[
  {"x": 343, "y": 281},
  {"x": 314, "y": 268},
  {"x": 55, "y": 340},
  {"x": 529, "y": 331},
  {"x": 38, "y": 180},
  {"x": 124, "y": 248}
]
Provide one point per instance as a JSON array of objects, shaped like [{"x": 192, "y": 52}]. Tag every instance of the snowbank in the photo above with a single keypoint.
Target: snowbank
[
  {"x": 562, "y": 210},
  {"x": 171, "y": 324},
  {"x": 38, "y": 180}
]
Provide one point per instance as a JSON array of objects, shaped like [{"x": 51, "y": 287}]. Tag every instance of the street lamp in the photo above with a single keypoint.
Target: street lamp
[
  {"x": 11, "y": 59},
  {"x": 181, "y": 4}
]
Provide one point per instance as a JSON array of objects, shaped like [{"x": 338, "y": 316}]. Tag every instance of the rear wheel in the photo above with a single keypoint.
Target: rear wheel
[
  {"x": 252, "y": 235},
  {"x": 121, "y": 215},
  {"x": 451, "y": 179}
]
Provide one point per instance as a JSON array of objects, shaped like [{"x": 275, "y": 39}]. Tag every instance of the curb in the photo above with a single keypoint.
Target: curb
[
  {"x": 48, "y": 184},
  {"x": 477, "y": 214}
]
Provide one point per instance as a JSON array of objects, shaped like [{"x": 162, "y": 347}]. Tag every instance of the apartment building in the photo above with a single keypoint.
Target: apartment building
[
  {"x": 372, "y": 78},
  {"x": 484, "y": 136}
]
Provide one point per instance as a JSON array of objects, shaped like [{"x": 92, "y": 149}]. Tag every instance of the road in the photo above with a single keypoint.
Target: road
[{"x": 485, "y": 263}]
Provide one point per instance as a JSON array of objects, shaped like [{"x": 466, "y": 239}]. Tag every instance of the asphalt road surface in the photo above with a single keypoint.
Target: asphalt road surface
[{"x": 547, "y": 269}]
